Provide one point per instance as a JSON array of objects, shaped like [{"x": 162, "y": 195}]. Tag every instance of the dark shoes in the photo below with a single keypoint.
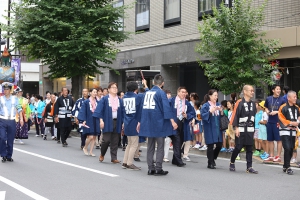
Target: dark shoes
[
  {"x": 252, "y": 171},
  {"x": 65, "y": 144},
  {"x": 4, "y": 159},
  {"x": 9, "y": 159},
  {"x": 211, "y": 167},
  {"x": 289, "y": 171},
  {"x": 58, "y": 141},
  {"x": 232, "y": 167},
  {"x": 97, "y": 147},
  {"x": 137, "y": 159},
  {"x": 181, "y": 165},
  {"x": 101, "y": 158},
  {"x": 160, "y": 173},
  {"x": 115, "y": 161},
  {"x": 151, "y": 172}
]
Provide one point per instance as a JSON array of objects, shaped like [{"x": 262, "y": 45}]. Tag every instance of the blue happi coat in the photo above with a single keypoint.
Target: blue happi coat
[
  {"x": 131, "y": 104},
  {"x": 104, "y": 111},
  {"x": 86, "y": 114},
  {"x": 76, "y": 109},
  {"x": 211, "y": 125},
  {"x": 155, "y": 114},
  {"x": 190, "y": 111}
]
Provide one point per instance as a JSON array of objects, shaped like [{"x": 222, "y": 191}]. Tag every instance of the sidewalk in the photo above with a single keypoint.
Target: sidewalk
[{"x": 228, "y": 155}]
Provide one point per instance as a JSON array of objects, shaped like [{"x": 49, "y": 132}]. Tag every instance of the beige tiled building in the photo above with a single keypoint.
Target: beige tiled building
[{"x": 164, "y": 35}]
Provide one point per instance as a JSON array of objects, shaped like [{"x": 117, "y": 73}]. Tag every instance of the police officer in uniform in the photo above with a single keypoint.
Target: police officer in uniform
[{"x": 9, "y": 104}]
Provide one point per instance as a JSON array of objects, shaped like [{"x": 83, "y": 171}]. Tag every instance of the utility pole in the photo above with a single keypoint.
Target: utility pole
[{"x": 8, "y": 21}]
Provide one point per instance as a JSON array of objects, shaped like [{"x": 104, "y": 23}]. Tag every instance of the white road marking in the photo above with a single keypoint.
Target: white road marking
[
  {"x": 280, "y": 166},
  {"x": 2, "y": 195},
  {"x": 67, "y": 163},
  {"x": 21, "y": 189}
]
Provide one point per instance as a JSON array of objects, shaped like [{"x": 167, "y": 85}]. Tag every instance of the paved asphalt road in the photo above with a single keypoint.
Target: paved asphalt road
[{"x": 46, "y": 170}]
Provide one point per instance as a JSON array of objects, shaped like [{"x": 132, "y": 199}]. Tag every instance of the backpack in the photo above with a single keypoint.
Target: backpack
[{"x": 224, "y": 121}]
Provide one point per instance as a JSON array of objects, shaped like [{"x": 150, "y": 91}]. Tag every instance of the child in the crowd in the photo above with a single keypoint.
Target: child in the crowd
[
  {"x": 225, "y": 111},
  {"x": 197, "y": 121},
  {"x": 230, "y": 107},
  {"x": 258, "y": 117},
  {"x": 262, "y": 133}
]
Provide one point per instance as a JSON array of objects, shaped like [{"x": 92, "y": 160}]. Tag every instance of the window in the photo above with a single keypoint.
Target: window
[
  {"x": 142, "y": 10},
  {"x": 172, "y": 12},
  {"x": 205, "y": 7},
  {"x": 119, "y": 3}
]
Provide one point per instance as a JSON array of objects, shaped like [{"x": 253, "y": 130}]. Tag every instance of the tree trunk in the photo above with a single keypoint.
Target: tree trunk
[{"x": 75, "y": 86}]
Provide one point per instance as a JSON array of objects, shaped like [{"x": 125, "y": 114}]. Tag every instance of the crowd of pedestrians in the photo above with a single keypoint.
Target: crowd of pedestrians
[{"x": 108, "y": 119}]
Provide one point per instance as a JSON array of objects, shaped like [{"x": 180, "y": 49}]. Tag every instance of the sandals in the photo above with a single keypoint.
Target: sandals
[
  {"x": 91, "y": 154},
  {"x": 85, "y": 151}
]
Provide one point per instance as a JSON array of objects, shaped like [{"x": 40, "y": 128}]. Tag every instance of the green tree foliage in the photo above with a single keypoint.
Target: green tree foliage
[
  {"x": 75, "y": 38},
  {"x": 233, "y": 42}
]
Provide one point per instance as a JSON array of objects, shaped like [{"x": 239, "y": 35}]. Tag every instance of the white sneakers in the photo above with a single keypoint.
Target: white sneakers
[
  {"x": 165, "y": 160},
  {"x": 20, "y": 141},
  {"x": 197, "y": 146},
  {"x": 186, "y": 159},
  {"x": 203, "y": 148}
]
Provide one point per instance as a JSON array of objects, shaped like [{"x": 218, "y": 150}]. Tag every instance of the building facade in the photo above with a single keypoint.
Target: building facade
[{"x": 165, "y": 34}]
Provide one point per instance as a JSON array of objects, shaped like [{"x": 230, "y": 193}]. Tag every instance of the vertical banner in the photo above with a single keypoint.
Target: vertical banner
[
  {"x": 16, "y": 65},
  {"x": 11, "y": 73}
]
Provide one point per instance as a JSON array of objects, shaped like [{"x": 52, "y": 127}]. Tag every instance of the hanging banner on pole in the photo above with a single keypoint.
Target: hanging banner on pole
[{"x": 11, "y": 73}]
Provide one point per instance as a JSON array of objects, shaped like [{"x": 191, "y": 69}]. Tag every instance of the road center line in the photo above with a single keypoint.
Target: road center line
[
  {"x": 21, "y": 189},
  {"x": 67, "y": 163}
]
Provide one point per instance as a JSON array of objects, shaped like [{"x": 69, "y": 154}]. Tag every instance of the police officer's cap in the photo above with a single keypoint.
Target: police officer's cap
[{"x": 7, "y": 85}]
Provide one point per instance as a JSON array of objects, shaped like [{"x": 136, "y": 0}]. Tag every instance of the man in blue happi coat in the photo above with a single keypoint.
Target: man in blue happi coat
[
  {"x": 75, "y": 112},
  {"x": 131, "y": 104},
  {"x": 156, "y": 121},
  {"x": 109, "y": 111},
  {"x": 183, "y": 112}
]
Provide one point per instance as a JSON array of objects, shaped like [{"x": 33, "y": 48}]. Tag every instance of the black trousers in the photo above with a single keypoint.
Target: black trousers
[
  {"x": 83, "y": 139},
  {"x": 37, "y": 126},
  {"x": 58, "y": 134},
  {"x": 177, "y": 143},
  {"x": 29, "y": 124},
  {"x": 64, "y": 133},
  {"x": 212, "y": 154},
  {"x": 111, "y": 138},
  {"x": 237, "y": 150},
  {"x": 288, "y": 143},
  {"x": 124, "y": 140}
]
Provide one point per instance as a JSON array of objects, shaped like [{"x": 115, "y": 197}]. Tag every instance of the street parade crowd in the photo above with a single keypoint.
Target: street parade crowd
[{"x": 107, "y": 119}]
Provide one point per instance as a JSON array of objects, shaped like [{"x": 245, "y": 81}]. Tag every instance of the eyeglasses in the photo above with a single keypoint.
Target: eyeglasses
[
  {"x": 114, "y": 87},
  {"x": 6, "y": 89}
]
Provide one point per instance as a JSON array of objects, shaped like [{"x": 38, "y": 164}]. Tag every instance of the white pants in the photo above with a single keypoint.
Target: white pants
[{"x": 167, "y": 146}]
